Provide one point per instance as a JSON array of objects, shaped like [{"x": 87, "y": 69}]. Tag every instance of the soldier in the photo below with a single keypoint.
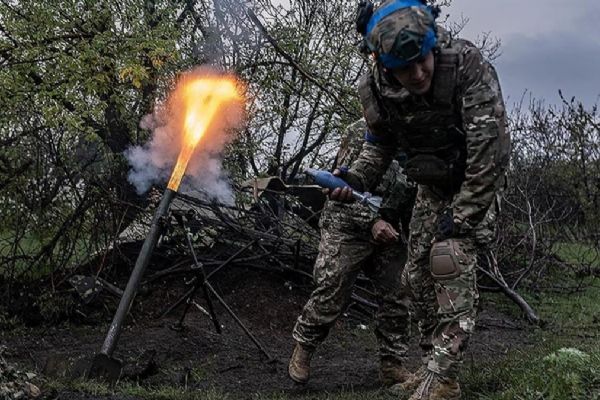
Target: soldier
[
  {"x": 355, "y": 239},
  {"x": 438, "y": 100}
]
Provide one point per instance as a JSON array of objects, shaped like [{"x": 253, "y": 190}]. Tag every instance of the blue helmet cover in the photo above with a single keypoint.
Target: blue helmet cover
[{"x": 429, "y": 40}]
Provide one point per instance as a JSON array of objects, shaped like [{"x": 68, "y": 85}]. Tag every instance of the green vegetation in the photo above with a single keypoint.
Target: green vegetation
[
  {"x": 578, "y": 254},
  {"x": 20, "y": 270},
  {"x": 564, "y": 362},
  {"x": 179, "y": 393},
  {"x": 380, "y": 394},
  {"x": 134, "y": 390},
  {"x": 547, "y": 372}
]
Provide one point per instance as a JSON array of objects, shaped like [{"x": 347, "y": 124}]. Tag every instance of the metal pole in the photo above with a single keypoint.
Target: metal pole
[
  {"x": 200, "y": 269},
  {"x": 239, "y": 322},
  {"x": 136, "y": 276}
]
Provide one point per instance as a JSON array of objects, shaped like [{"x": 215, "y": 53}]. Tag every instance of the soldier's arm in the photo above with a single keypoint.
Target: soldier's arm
[
  {"x": 385, "y": 221},
  {"x": 372, "y": 162},
  {"x": 380, "y": 143},
  {"x": 396, "y": 206},
  {"x": 353, "y": 138},
  {"x": 488, "y": 143}
]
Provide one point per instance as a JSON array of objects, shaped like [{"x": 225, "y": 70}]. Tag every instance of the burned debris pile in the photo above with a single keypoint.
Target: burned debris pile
[{"x": 270, "y": 227}]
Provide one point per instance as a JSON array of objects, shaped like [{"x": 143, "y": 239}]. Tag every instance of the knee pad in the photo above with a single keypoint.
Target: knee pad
[{"x": 444, "y": 261}]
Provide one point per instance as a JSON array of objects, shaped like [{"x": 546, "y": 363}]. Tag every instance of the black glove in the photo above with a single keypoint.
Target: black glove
[{"x": 446, "y": 226}]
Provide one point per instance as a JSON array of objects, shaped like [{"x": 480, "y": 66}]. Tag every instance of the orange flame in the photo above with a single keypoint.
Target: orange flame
[{"x": 201, "y": 98}]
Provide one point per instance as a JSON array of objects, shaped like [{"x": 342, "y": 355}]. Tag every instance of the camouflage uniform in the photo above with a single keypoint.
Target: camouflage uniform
[
  {"x": 346, "y": 249},
  {"x": 457, "y": 146}
]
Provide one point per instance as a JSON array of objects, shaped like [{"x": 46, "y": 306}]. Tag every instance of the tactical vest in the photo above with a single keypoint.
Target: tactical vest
[{"x": 428, "y": 130}]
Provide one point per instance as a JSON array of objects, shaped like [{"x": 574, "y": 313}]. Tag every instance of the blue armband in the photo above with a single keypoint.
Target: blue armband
[{"x": 373, "y": 139}]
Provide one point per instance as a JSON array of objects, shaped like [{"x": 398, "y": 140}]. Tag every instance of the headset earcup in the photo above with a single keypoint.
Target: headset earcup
[{"x": 363, "y": 15}]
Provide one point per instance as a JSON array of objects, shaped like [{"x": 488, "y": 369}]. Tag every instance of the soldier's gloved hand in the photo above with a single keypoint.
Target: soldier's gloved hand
[
  {"x": 383, "y": 232},
  {"x": 446, "y": 226},
  {"x": 343, "y": 195}
]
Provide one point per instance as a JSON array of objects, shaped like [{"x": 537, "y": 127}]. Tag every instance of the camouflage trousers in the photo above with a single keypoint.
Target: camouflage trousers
[
  {"x": 345, "y": 251},
  {"x": 455, "y": 298}
]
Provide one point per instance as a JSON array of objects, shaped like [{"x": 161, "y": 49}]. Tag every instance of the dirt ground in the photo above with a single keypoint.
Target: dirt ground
[{"x": 198, "y": 357}]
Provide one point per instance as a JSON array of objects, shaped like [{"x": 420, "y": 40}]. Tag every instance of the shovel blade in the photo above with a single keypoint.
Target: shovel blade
[{"x": 105, "y": 368}]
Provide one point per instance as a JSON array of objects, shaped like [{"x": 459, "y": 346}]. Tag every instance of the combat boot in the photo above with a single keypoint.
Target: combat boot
[
  {"x": 436, "y": 387},
  {"x": 410, "y": 384},
  {"x": 299, "y": 367},
  {"x": 391, "y": 371}
]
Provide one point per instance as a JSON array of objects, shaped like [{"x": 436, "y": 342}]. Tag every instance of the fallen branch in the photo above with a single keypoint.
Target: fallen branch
[{"x": 496, "y": 276}]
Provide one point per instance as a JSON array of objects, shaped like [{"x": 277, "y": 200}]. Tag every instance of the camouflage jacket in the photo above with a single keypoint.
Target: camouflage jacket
[
  {"x": 456, "y": 132},
  {"x": 397, "y": 191}
]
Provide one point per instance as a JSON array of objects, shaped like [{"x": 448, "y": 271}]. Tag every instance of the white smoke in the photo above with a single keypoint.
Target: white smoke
[
  {"x": 153, "y": 162},
  {"x": 210, "y": 180}
]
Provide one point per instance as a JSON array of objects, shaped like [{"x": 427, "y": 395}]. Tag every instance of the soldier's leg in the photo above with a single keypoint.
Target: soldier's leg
[
  {"x": 340, "y": 259},
  {"x": 424, "y": 314},
  {"x": 418, "y": 279},
  {"x": 456, "y": 290},
  {"x": 392, "y": 317},
  {"x": 453, "y": 266},
  {"x": 342, "y": 252},
  {"x": 392, "y": 320},
  {"x": 458, "y": 297},
  {"x": 416, "y": 273}
]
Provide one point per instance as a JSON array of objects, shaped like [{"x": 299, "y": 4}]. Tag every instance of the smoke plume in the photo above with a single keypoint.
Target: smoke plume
[{"x": 153, "y": 162}]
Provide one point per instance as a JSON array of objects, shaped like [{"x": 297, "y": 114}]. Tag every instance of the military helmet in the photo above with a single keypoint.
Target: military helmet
[{"x": 399, "y": 32}]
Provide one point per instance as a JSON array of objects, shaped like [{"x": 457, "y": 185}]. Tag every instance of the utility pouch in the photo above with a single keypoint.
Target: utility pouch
[
  {"x": 444, "y": 260},
  {"x": 428, "y": 169}
]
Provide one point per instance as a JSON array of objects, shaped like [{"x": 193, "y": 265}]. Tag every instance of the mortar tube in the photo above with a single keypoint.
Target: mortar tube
[{"x": 116, "y": 326}]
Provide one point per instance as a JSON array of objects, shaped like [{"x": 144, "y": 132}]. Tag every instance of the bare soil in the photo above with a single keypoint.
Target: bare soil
[{"x": 198, "y": 357}]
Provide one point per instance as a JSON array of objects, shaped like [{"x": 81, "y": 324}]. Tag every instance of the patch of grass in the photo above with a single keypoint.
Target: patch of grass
[
  {"x": 203, "y": 371},
  {"x": 129, "y": 389},
  {"x": 548, "y": 372},
  {"x": 378, "y": 394},
  {"x": 563, "y": 312},
  {"x": 171, "y": 393},
  {"x": 573, "y": 313},
  {"x": 565, "y": 362},
  {"x": 497, "y": 301},
  {"x": 79, "y": 385},
  {"x": 578, "y": 254},
  {"x": 29, "y": 245}
]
